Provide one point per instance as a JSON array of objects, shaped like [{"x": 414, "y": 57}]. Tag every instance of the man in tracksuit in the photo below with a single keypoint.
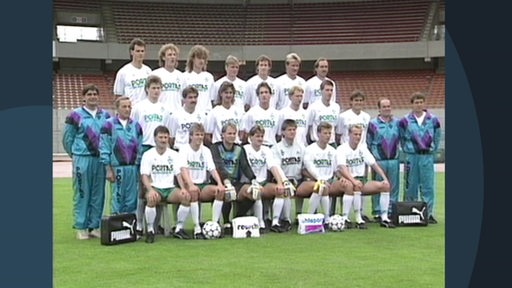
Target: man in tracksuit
[
  {"x": 81, "y": 141},
  {"x": 420, "y": 137}
]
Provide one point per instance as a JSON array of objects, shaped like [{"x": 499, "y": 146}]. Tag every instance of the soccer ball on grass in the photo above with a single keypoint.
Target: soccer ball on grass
[
  {"x": 211, "y": 230},
  {"x": 336, "y": 223}
]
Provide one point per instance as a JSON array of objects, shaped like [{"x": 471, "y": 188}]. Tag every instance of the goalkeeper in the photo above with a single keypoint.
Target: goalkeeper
[{"x": 231, "y": 163}]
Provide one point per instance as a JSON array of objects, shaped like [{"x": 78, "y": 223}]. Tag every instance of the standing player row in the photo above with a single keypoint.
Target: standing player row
[{"x": 130, "y": 79}]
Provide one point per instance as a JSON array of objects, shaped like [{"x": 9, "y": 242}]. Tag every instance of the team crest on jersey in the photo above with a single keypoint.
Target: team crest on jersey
[
  {"x": 198, "y": 117},
  {"x": 169, "y": 160},
  {"x": 201, "y": 157},
  {"x": 282, "y": 153}
]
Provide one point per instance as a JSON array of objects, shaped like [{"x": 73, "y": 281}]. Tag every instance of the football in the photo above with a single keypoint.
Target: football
[
  {"x": 336, "y": 223},
  {"x": 212, "y": 230}
]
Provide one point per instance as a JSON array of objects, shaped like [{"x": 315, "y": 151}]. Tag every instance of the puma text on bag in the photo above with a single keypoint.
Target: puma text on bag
[
  {"x": 117, "y": 229},
  {"x": 413, "y": 213}
]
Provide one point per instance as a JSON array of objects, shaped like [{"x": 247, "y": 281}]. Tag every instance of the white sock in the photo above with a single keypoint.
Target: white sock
[
  {"x": 276, "y": 210},
  {"x": 150, "y": 213},
  {"x": 258, "y": 212},
  {"x": 357, "y": 207},
  {"x": 347, "y": 205},
  {"x": 182, "y": 216},
  {"x": 194, "y": 211},
  {"x": 384, "y": 204},
  {"x": 314, "y": 201},
  {"x": 326, "y": 206},
  {"x": 216, "y": 210},
  {"x": 140, "y": 213},
  {"x": 287, "y": 209}
]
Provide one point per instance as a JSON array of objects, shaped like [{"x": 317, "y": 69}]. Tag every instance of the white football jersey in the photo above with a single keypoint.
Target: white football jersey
[
  {"x": 290, "y": 158},
  {"x": 266, "y": 118},
  {"x": 172, "y": 84},
  {"x": 240, "y": 86},
  {"x": 320, "y": 163},
  {"x": 318, "y": 112},
  {"x": 312, "y": 92},
  {"x": 220, "y": 116},
  {"x": 150, "y": 115},
  {"x": 130, "y": 81},
  {"x": 284, "y": 83},
  {"x": 260, "y": 161},
  {"x": 198, "y": 162},
  {"x": 347, "y": 119},
  {"x": 354, "y": 159},
  {"x": 180, "y": 123},
  {"x": 251, "y": 98},
  {"x": 160, "y": 168},
  {"x": 203, "y": 82},
  {"x": 300, "y": 117}
]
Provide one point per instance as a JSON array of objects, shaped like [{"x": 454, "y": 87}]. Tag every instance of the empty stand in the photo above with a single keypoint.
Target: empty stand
[
  {"x": 68, "y": 90},
  {"x": 183, "y": 24},
  {"x": 71, "y": 5},
  {"x": 396, "y": 85},
  {"x": 270, "y": 24},
  {"x": 359, "y": 22}
]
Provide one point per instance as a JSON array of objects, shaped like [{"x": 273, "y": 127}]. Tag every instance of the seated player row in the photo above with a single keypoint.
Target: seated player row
[{"x": 234, "y": 167}]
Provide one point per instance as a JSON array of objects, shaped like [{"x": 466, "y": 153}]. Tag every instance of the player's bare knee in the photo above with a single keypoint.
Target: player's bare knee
[
  {"x": 220, "y": 195},
  {"x": 151, "y": 203},
  {"x": 193, "y": 196}
]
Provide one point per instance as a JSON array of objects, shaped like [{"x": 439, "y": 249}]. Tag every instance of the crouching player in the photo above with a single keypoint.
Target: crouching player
[
  {"x": 262, "y": 160},
  {"x": 158, "y": 168},
  {"x": 289, "y": 152},
  {"x": 352, "y": 158},
  {"x": 195, "y": 161},
  {"x": 319, "y": 168},
  {"x": 234, "y": 170}
]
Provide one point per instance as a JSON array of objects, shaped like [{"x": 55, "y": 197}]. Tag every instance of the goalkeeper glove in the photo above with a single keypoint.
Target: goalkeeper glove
[
  {"x": 230, "y": 194},
  {"x": 255, "y": 189},
  {"x": 288, "y": 188},
  {"x": 320, "y": 187}
]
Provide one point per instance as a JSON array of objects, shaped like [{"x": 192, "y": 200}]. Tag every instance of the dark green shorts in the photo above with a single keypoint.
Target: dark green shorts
[
  {"x": 201, "y": 186},
  {"x": 165, "y": 192}
]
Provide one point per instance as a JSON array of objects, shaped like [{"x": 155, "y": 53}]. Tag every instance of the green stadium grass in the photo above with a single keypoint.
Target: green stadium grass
[{"x": 377, "y": 257}]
